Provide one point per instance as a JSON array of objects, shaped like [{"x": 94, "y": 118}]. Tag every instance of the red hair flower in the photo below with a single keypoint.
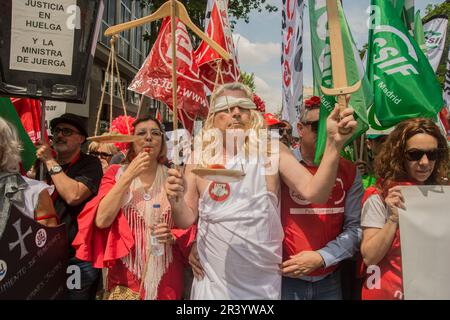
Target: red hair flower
[
  {"x": 260, "y": 105},
  {"x": 312, "y": 102},
  {"x": 119, "y": 125}
]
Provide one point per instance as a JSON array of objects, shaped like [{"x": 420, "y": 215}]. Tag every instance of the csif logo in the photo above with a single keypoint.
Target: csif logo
[
  {"x": 432, "y": 39},
  {"x": 394, "y": 59},
  {"x": 393, "y": 49}
]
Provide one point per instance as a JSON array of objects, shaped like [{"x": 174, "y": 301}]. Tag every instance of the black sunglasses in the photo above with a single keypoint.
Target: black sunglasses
[
  {"x": 314, "y": 125},
  {"x": 283, "y": 131},
  {"x": 66, "y": 132},
  {"x": 417, "y": 154},
  {"x": 100, "y": 154}
]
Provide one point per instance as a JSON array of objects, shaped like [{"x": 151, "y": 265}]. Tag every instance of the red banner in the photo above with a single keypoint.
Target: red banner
[
  {"x": 154, "y": 79},
  {"x": 29, "y": 111},
  {"x": 219, "y": 30}
]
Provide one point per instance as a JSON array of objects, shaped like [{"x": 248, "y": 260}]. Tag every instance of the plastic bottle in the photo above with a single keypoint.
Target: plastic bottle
[{"x": 157, "y": 248}]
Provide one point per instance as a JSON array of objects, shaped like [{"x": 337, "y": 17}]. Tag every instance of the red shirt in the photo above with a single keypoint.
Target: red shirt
[{"x": 309, "y": 226}]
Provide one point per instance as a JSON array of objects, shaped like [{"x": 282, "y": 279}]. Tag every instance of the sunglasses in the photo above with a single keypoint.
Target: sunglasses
[
  {"x": 417, "y": 154},
  {"x": 101, "y": 154},
  {"x": 66, "y": 132},
  {"x": 314, "y": 125},
  {"x": 283, "y": 131},
  {"x": 154, "y": 133}
]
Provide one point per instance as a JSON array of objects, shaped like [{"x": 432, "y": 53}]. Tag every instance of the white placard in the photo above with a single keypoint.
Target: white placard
[
  {"x": 425, "y": 242},
  {"x": 42, "y": 35}
]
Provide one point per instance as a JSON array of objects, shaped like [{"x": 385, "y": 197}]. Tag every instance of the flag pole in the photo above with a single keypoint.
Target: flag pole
[
  {"x": 173, "y": 16},
  {"x": 41, "y": 168}
]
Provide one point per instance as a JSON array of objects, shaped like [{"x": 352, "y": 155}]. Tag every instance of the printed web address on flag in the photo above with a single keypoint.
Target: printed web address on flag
[{"x": 167, "y": 86}]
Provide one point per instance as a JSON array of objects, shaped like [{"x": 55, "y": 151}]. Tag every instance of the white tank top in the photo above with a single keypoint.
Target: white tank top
[{"x": 239, "y": 239}]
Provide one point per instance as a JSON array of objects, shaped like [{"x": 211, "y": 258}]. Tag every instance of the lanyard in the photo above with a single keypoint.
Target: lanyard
[{"x": 55, "y": 193}]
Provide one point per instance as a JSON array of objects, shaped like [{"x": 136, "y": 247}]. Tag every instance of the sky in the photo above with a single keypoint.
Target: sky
[{"x": 259, "y": 45}]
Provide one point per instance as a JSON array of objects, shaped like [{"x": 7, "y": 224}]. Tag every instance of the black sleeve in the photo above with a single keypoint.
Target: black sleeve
[{"x": 90, "y": 173}]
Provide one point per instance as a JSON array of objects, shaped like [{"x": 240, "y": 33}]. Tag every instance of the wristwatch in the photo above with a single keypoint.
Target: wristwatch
[{"x": 55, "y": 169}]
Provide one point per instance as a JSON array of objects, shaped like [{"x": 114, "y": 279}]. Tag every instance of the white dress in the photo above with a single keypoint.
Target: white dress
[
  {"x": 31, "y": 195},
  {"x": 239, "y": 240}
]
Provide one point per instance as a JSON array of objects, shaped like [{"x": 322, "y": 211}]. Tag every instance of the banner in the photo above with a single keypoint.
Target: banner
[
  {"x": 403, "y": 82},
  {"x": 435, "y": 31},
  {"x": 425, "y": 235},
  {"x": 33, "y": 260},
  {"x": 360, "y": 101},
  {"x": 419, "y": 34},
  {"x": 154, "y": 79},
  {"x": 30, "y": 112},
  {"x": 48, "y": 47},
  {"x": 292, "y": 60},
  {"x": 218, "y": 29},
  {"x": 447, "y": 83},
  {"x": 9, "y": 113}
]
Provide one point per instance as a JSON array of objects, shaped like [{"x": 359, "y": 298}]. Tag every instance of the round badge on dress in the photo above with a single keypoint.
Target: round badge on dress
[
  {"x": 219, "y": 191},
  {"x": 147, "y": 197}
]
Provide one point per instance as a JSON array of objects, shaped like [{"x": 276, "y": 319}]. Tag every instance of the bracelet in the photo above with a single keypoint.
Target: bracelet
[
  {"x": 395, "y": 220},
  {"x": 48, "y": 216}
]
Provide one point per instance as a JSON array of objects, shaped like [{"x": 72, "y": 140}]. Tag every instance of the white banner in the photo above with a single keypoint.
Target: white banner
[
  {"x": 447, "y": 84},
  {"x": 42, "y": 35},
  {"x": 425, "y": 241},
  {"x": 435, "y": 31},
  {"x": 292, "y": 60}
]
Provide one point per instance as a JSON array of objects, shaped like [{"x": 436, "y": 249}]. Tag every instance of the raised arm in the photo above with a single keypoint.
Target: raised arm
[
  {"x": 109, "y": 206},
  {"x": 317, "y": 188}
]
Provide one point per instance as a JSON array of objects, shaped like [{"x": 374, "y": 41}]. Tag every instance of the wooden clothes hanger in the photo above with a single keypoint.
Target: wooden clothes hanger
[{"x": 162, "y": 12}]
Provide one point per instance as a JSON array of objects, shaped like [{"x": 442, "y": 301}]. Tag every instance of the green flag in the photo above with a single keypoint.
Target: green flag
[
  {"x": 405, "y": 11},
  {"x": 403, "y": 82},
  {"x": 408, "y": 14},
  {"x": 318, "y": 23},
  {"x": 9, "y": 113},
  {"x": 359, "y": 101},
  {"x": 419, "y": 34}
]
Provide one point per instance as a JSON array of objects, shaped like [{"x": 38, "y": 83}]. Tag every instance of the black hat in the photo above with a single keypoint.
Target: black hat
[{"x": 72, "y": 119}]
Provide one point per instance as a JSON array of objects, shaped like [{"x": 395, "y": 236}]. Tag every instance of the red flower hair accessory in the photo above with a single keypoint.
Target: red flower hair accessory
[
  {"x": 260, "y": 105},
  {"x": 312, "y": 102},
  {"x": 119, "y": 125}
]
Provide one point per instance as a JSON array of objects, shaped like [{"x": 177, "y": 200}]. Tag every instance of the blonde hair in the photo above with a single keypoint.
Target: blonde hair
[
  {"x": 256, "y": 121},
  {"x": 10, "y": 147},
  {"x": 110, "y": 147}
]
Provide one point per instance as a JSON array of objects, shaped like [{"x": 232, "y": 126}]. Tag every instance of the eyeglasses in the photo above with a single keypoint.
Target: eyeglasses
[
  {"x": 314, "y": 125},
  {"x": 417, "y": 154},
  {"x": 156, "y": 133},
  {"x": 285, "y": 131},
  {"x": 66, "y": 132},
  {"x": 101, "y": 154}
]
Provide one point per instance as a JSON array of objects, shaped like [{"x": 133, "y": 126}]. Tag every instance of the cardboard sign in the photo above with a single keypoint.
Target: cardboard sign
[
  {"x": 48, "y": 47},
  {"x": 425, "y": 238},
  {"x": 33, "y": 259}
]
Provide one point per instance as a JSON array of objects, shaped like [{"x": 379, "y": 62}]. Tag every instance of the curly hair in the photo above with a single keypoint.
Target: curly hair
[
  {"x": 389, "y": 163},
  {"x": 10, "y": 147}
]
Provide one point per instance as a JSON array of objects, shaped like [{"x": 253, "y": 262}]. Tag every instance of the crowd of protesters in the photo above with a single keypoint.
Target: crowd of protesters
[{"x": 304, "y": 231}]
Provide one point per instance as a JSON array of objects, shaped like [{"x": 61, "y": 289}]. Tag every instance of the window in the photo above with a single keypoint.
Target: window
[
  {"x": 125, "y": 36},
  {"x": 108, "y": 19}
]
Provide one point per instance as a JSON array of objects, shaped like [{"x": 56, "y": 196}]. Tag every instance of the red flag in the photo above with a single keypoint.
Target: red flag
[
  {"x": 207, "y": 59},
  {"x": 29, "y": 111},
  {"x": 154, "y": 79}
]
